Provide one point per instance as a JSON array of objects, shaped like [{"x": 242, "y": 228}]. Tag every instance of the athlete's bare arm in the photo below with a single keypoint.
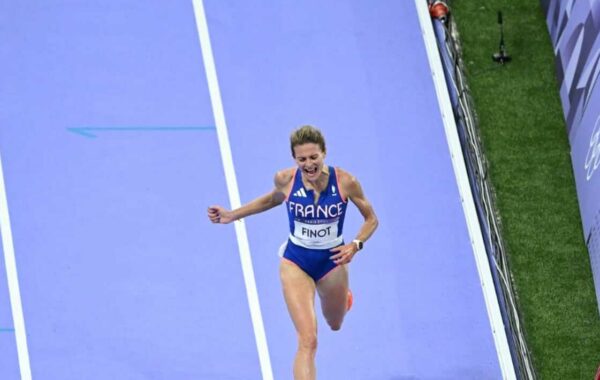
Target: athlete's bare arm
[
  {"x": 275, "y": 197},
  {"x": 355, "y": 193},
  {"x": 351, "y": 188}
]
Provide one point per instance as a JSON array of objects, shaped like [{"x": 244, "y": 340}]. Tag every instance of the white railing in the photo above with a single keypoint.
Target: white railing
[{"x": 466, "y": 121}]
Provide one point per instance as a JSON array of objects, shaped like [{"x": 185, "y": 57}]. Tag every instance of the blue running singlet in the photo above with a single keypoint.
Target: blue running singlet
[{"x": 315, "y": 227}]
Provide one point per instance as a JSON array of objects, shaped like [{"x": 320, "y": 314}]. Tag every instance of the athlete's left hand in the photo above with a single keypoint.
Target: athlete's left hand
[{"x": 344, "y": 253}]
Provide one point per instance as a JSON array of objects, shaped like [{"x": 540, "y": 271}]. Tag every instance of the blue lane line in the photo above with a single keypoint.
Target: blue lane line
[
  {"x": 89, "y": 131},
  {"x": 6, "y": 330}
]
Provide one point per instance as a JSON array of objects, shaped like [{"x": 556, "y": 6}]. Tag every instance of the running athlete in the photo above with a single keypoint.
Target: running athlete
[{"x": 315, "y": 256}]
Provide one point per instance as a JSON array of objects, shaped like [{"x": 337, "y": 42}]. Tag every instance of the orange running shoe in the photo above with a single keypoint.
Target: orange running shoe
[{"x": 349, "y": 301}]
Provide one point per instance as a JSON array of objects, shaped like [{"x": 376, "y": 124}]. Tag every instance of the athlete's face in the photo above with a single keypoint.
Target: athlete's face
[{"x": 309, "y": 158}]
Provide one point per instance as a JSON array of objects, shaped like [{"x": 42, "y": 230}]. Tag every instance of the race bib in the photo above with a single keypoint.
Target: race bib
[{"x": 319, "y": 236}]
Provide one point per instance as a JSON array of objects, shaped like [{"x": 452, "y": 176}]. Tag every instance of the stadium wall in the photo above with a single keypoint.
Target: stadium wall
[{"x": 574, "y": 27}]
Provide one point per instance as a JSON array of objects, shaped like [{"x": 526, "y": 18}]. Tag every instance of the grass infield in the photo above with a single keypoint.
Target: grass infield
[{"x": 525, "y": 140}]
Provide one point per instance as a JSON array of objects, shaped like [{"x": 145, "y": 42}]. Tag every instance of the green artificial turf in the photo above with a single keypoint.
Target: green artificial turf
[{"x": 525, "y": 140}]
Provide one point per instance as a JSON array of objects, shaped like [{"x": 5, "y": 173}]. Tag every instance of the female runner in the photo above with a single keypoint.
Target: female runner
[{"x": 315, "y": 257}]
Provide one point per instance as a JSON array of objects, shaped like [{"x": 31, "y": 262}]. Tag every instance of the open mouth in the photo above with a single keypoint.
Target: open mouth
[{"x": 311, "y": 171}]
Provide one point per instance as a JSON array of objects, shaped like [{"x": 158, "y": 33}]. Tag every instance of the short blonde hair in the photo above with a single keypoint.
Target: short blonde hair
[{"x": 307, "y": 134}]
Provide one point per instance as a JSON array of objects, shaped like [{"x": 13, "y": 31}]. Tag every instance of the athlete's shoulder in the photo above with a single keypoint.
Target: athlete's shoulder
[
  {"x": 284, "y": 177},
  {"x": 348, "y": 182},
  {"x": 344, "y": 177}
]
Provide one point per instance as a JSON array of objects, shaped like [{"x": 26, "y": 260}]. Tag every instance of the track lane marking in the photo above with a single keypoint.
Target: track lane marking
[{"x": 233, "y": 190}]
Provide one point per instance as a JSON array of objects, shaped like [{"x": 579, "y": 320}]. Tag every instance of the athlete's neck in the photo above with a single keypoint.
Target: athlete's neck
[{"x": 320, "y": 183}]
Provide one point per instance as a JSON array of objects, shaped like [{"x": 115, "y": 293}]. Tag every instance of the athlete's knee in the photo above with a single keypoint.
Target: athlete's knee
[
  {"x": 334, "y": 318},
  {"x": 335, "y": 325},
  {"x": 307, "y": 342}
]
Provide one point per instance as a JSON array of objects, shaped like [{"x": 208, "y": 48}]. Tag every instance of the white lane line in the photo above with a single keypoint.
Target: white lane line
[
  {"x": 232, "y": 188},
  {"x": 13, "y": 282},
  {"x": 460, "y": 171}
]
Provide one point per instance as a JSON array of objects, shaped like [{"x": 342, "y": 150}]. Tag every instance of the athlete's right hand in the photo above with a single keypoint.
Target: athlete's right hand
[{"x": 218, "y": 214}]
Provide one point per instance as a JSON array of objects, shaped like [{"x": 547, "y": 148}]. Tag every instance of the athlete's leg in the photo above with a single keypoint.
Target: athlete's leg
[
  {"x": 299, "y": 293},
  {"x": 333, "y": 291}
]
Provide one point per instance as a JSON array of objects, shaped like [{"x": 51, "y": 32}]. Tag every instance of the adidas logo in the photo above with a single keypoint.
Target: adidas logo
[
  {"x": 332, "y": 189},
  {"x": 300, "y": 193}
]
